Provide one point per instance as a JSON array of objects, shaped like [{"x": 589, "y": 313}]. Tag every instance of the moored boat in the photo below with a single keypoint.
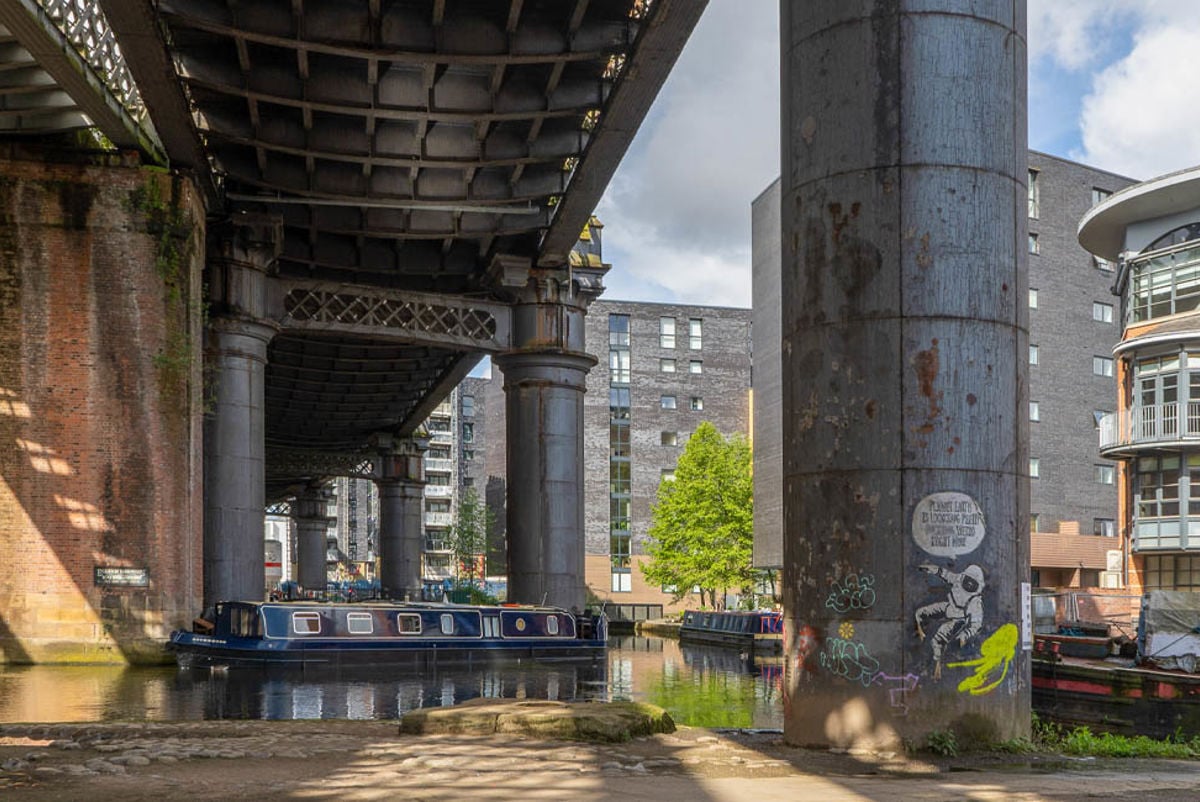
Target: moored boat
[
  {"x": 758, "y": 631},
  {"x": 375, "y": 633}
]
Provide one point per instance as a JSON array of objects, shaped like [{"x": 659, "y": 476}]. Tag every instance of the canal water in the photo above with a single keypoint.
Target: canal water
[{"x": 699, "y": 685}]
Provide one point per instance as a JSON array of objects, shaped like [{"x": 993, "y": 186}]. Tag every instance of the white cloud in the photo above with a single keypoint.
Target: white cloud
[
  {"x": 1142, "y": 118},
  {"x": 677, "y": 214},
  {"x": 1074, "y": 33}
]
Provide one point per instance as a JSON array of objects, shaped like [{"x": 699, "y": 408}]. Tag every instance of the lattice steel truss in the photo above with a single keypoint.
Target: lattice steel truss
[
  {"x": 289, "y": 462},
  {"x": 84, "y": 25},
  {"x": 359, "y": 308}
]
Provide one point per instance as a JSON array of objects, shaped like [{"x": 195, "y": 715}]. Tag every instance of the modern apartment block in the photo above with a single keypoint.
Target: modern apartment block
[
  {"x": 1151, "y": 233},
  {"x": 1073, "y": 328},
  {"x": 663, "y": 369}
]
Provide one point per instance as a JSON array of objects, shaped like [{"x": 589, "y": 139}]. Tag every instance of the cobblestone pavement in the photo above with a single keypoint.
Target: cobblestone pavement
[{"x": 356, "y": 760}]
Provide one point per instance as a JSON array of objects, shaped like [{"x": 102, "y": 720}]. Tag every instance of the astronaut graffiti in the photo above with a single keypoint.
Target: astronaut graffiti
[{"x": 959, "y": 617}]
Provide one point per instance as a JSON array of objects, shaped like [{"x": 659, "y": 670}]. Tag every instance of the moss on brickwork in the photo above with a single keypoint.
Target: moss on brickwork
[{"x": 168, "y": 221}]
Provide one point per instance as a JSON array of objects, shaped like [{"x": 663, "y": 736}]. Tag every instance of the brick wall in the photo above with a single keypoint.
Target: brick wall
[{"x": 100, "y": 405}]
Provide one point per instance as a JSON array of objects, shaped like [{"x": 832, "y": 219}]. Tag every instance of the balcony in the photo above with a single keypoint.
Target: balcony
[
  {"x": 1146, "y": 428},
  {"x": 437, "y": 544},
  {"x": 439, "y": 491},
  {"x": 436, "y": 464},
  {"x": 437, "y": 519}
]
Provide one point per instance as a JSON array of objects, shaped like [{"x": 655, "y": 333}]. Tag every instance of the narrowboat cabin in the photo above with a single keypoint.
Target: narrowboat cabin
[
  {"x": 757, "y": 631},
  {"x": 312, "y": 634}
]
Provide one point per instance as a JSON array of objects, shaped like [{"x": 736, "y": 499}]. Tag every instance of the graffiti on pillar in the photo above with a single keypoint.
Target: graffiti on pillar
[
  {"x": 850, "y": 660},
  {"x": 898, "y": 688},
  {"x": 855, "y": 592},
  {"x": 807, "y": 639},
  {"x": 948, "y": 524},
  {"x": 959, "y": 616},
  {"x": 996, "y": 654}
]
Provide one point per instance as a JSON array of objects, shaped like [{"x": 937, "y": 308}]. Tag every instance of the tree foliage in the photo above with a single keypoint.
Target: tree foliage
[
  {"x": 468, "y": 536},
  {"x": 702, "y": 526}
]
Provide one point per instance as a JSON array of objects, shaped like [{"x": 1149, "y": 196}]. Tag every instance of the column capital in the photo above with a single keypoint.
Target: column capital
[
  {"x": 249, "y": 240},
  {"x": 401, "y": 459},
  {"x": 575, "y": 283},
  {"x": 241, "y": 253},
  {"x": 313, "y": 504}
]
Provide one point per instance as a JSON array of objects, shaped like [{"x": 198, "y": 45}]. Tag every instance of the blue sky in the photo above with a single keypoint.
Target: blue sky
[{"x": 1103, "y": 74}]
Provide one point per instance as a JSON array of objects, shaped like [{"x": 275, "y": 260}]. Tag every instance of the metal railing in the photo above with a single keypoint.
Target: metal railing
[
  {"x": 1154, "y": 423},
  {"x": 84, "y": 25}
]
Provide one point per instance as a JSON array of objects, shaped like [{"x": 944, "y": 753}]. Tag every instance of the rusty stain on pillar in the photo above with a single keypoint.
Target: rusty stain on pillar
[
  {"x": 400, "y": 480},
  {"x": 310, "y": 510},
  {"x": 905, "y": 337},
  {"x": 544, "y": 383},
  {"x": 241, "y": 251}
]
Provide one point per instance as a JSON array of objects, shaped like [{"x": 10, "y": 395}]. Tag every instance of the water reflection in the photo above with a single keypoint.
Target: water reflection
[{"x": 701, "y": 686}]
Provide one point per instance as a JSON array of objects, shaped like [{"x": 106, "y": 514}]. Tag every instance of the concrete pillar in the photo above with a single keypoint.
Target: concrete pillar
[
  {"x": 401, "y": 483},
  {"x": 905, "y": 339},
  {"x": 240, "y": 252},
  {"x": 311, "y": 513},
  {"x": 544, "y": 382}
]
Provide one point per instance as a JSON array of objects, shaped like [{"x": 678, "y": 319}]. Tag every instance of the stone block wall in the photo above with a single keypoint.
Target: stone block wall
[{"x": 100, "y": 408}]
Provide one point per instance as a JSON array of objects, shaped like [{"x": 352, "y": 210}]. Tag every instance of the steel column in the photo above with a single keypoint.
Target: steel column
[
  {"x": 401, "y": 505},
  {"x": 905, "y": 334},
  {"x": 311, "y": 513}
]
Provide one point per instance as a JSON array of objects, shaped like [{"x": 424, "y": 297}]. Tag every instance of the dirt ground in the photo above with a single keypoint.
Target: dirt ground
[{"x": 363, "y": 760}]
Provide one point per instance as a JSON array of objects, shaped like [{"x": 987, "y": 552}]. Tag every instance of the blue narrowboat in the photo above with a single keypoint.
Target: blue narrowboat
[
  {"x": 355, "y": 634},
  {"x": 760, "y": 631}
]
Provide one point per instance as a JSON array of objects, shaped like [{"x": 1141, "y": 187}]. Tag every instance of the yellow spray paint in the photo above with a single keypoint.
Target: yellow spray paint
[{"x": 995, "y": 654}]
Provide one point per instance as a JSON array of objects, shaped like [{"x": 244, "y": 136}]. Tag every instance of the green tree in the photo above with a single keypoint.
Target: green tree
[
  {"x": 702, "y": 526},
  {"x": 468, "y": 535}
]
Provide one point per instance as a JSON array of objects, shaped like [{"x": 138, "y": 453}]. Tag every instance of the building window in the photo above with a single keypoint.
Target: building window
[
  {"x": 1104, "y": 527},
  {"x": 1033, "y": 299},
  {"x": 1171, "y": 572},
  {"x": 1102, "y": 313},
  {"x": 618, "y": 331},
  {"x": 1099, "y": 195},
  {"x": 1033, "y": 354},
  {"x": 438, "y": 452},
  {"x": 1102, "y": 365},
  {"x": 668, "y": 475},
  {"x": 619, "y": 555},
  {"x": 618, "y": 349},
  {"x": 1033, "y": 522},
  {"x": 670, "y": 438},
  {"x": 1034, "y": 199},
  {"x": 667, "y": 402},
  {"x": 695, "y": 366},
  {"x": 618, "y": 477},
  {"x": 437, "y": 478},
  {"x": 468, "y": 406},
  {"x": 695, "y": 333},
  {"x": 1035, "y": 412},
  {"x": 618, "y": 366},
  {"x": 1098, "y": 415},
  {"x": 1102, "y": 264},
  {"x": 666, "y": 366},
  {"x": 468, "y": 454},
  {"x": 697, "y": 403},
  {"x": 1167, "y": 283},
  {"x": 618, "y": 439},
  {"x": 1034, "y": 247},
  {"x": 468, "y": 433},
  {"x": 618, "y": 403},
  {"x": 1035, "y": 468},
  {"x": 666, "y": 332},
  {"x": 1105, "y": 474}
]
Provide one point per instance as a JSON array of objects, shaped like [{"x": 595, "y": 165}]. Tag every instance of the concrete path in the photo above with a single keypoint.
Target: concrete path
[{"x": 366, "y": 760}]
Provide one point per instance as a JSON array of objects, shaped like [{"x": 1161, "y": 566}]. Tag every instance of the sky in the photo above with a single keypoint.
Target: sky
[{"x": 1109, "y": 86}]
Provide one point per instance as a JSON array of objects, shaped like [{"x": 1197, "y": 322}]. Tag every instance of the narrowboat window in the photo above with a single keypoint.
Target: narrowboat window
[
  {"x": 359, "y": 623},
  {"x": 243, "y": 622},
  {"x": 306, "y": 623},
  {"x": 408, "y": 624},
  {"x": 491, "y": 626},
  {"x": 447, "y": 622},
  {"x": 552, "y": 625}
]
